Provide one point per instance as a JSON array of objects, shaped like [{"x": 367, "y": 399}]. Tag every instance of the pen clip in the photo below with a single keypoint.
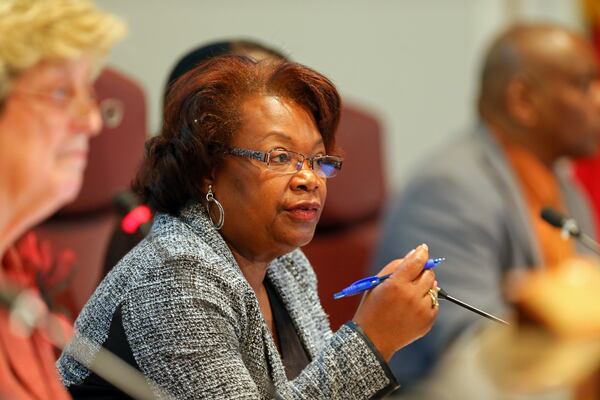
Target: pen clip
[{"x": 374, "y": 280}]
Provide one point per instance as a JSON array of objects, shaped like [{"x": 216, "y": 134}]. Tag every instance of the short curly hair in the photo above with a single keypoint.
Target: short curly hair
[
  {"x": 35, "y": 30},
  {"x": 202, "y": 115}
]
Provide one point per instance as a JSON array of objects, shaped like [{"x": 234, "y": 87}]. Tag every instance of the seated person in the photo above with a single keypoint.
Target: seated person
[
  {"x": 477, "y": 200},
  {"x": 50, "y": 52},
  {"x": 218, "y": 301}
]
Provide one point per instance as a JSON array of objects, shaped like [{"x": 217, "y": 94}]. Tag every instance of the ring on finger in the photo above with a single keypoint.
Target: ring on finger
[{"x": 433, "y": 294}]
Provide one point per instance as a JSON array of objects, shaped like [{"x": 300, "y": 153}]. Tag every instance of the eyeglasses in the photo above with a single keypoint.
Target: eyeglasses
[
  {"x": 290, "y": 162},
  {"x": 61, "y": 98}
]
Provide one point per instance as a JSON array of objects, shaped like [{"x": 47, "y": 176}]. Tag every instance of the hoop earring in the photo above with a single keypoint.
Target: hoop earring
[{"x": 210, "y": 198}]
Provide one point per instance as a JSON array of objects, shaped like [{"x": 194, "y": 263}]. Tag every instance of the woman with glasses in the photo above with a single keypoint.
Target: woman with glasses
[
  {"x": 218, "y": 301},
  {"x": 50, "y": 54}
]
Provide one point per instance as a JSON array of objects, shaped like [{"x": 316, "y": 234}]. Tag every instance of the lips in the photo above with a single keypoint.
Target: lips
[{"x": 304, "y": 211}]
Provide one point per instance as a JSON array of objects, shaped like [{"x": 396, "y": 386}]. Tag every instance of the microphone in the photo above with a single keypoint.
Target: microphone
[{"x": 569, "y": 227}]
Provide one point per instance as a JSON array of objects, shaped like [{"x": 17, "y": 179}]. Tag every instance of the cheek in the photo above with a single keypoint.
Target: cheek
[
  {"x": 574, "y": 110},
  {"x": 55, "y": 128},
  {"x": 323, "y": 193}
]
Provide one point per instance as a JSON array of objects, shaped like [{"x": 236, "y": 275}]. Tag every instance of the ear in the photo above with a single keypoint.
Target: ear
[
  {"x": 208, "y": 181},
  {"x": 520, "y": 102}
]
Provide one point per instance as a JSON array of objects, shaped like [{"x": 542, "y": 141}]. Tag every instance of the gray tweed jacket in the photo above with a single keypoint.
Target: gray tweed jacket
[{"x": 195, "y": 328}]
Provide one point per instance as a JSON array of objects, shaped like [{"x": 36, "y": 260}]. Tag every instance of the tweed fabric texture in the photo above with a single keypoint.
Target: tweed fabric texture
[{"x": 195, "y": 327}]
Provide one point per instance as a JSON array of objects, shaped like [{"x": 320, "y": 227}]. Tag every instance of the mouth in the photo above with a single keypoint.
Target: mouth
[
  {"x": 79, "y": 154},
  {"x": 305, "y": 211}
]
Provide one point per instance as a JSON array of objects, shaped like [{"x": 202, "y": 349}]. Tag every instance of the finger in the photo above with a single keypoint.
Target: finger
[
  {"x": 390, "y": 267},
  {"x": 426, "y": 281},
  {"x": 411, "y": 267}
]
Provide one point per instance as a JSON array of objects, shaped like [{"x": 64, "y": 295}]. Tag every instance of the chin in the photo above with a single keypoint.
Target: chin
[
  {"x": 303, "y": 240},
  {"x": 69, "y": 189}
]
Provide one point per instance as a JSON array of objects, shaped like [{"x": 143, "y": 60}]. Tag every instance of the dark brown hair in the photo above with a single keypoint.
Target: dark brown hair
[{"x": 202, "y": 115}]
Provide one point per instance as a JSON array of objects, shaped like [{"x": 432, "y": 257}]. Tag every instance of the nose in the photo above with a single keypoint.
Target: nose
[
  {"x": 305, "y": 179},
  {"x": 86, "y": 117}
]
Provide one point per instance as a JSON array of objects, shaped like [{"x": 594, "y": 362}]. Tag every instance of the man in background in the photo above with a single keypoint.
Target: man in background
[{"x": 477, "y": 200}]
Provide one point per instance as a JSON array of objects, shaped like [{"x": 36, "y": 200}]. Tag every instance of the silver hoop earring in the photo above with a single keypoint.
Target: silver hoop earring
[{"x": 210, "y": 198}]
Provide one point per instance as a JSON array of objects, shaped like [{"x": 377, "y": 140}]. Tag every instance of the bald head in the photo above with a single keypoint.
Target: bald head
[
  {"x": 539, "y": 87},
  {"x": 528, "y": 50}
]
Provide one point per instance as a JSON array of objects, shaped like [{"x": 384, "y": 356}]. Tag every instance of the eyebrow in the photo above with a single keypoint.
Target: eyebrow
[{"x": 287, "y": 138}]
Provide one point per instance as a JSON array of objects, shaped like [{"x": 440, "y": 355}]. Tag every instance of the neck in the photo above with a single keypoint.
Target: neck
[
  {"x": 524, "y": 139},
  {"x": 10, "y": 228},
  {"x": 254, "y": 270}
]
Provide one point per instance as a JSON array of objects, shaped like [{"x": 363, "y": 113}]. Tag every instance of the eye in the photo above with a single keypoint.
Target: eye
[
  {"x": 329, "y": 166},
  {"x": 61, "y": 95},
  {"x": 280, "y": 157}
]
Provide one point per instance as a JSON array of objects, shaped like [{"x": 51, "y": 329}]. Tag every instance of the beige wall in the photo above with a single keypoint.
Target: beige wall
[{"x": 413, "y": 62}]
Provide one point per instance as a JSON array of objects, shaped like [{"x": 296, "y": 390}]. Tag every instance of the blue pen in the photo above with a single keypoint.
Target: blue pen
[{"x": 370, "y": 282}]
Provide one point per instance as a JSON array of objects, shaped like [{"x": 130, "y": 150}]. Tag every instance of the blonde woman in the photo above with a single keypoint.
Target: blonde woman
[{"x": 50, "y": 53}]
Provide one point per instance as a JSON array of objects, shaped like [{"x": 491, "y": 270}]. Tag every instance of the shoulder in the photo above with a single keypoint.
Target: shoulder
[
  {"x": 178, "y": 264},
  {"x": 460, "y": 165},
  {"x": 456, "y": 193},
  {"x": 456, "y": 177}
]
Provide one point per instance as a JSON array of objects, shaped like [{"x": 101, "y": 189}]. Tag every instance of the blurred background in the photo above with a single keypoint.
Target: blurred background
[
  {"x": 408, "y": 72},
  {"x": 412, "y": 63}
]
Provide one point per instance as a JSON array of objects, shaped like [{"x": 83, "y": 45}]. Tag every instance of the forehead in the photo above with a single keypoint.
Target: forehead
[
  {"x": 273, "y": 120},
  {"x": 48, "y": 71}
]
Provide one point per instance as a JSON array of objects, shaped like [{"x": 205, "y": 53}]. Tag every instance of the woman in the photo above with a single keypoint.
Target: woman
[
  {"x": 218, "y": 301},
  {"x": 49, "y": 56}
]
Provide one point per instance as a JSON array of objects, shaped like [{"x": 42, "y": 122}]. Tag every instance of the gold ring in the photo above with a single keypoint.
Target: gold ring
[{"x": 433, "y": 293}]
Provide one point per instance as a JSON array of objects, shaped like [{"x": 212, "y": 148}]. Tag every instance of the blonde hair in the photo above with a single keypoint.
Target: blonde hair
[{"x": 35, "y": 30}]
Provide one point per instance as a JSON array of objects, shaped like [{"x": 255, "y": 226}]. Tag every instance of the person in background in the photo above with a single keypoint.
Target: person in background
[
  {"x": 477, "y": 200},
  {"x": 218, "y": 301},
  {"x": 50, "y": 52}
]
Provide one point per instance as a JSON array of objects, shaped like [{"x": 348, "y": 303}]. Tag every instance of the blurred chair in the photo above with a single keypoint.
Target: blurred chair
[
  {"x": 86, "y": 224},
  {"x": 342, "y": 247}
]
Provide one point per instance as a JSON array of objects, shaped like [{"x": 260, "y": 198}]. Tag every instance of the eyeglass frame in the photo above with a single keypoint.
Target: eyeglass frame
[
  {"x": 63, "y": 102},
  {"x": 265, "y": 158}
]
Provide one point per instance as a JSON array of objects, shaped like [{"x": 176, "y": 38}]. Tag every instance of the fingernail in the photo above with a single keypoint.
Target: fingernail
[{"x": 424, "y": 246}]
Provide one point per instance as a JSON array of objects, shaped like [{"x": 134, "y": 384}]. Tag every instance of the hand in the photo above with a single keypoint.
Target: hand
[{"x": 399, "y": 310}]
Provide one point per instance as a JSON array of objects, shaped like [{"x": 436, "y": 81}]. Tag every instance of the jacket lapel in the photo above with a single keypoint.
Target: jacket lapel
[
  {"x": 517, "y": 216},
  {"x": 293, "y": 298}
]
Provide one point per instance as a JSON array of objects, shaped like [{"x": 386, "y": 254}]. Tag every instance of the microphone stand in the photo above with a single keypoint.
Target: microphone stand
[
  {"x": 588, "y": 242},
  {"x": 442, "y": 294},
  {"x": 28, "y": 312}
]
